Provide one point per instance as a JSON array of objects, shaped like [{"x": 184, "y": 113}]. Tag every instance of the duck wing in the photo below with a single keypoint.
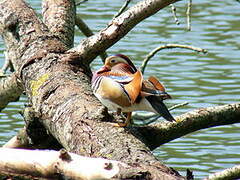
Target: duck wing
[{"x": 152, "y": 87}]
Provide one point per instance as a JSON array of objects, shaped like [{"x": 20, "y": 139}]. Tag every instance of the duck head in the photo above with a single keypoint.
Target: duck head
[{"x": 121, "y": 62}]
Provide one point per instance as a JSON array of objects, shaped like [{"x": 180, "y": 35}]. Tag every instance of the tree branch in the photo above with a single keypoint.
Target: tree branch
[
  {"x": 164, "y": 132},
  {"x": 231, "y": 173},
  {"x": 87, "y": 32},
  {"x": 122, "y": 9},
  {"x": 175, "y": 14},
  {"x": 81, "y": 2},
  {"x": 118, "y": 28},
  {"x": 56, "y": 165},
  {"x": 188, "y": 13},
  {"x": 10, "y": 90},
  {"x": 7, "y": 65},
  {"x": 17, "y": 32},
  {"x": 21, "y": 140},
  {"x": 59, "y": 16},
  {"x": 19, "y": 36},
  {"x": 168, "y": 46}
]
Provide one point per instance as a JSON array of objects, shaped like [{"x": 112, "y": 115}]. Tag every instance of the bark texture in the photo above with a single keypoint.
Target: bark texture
[{"x": 59, "y": 17}]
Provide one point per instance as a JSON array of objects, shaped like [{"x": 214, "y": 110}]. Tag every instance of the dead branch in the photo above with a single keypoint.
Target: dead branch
[
  {"x": 87, "y": 32},
  {"x": 10, "y": 90},
  {"x": 53, "y": 164},
  {"x": 231, "y": 173},
  {"x": 168, "y": 46},
  {"x": 7, "y": 64},
  {"x": 175, "y": 14},
  {"x": 188, "y": 13},
  {"x": 81, "y": 2},
  {"x": 84, "y": 28},
  {"x": 164, "y": 132},
  {"x": 118, "y": 28},
  {"x": 122, "y": 9},
  {"x": 59, "y": 16},
  {"x": 19, "y": 141}
]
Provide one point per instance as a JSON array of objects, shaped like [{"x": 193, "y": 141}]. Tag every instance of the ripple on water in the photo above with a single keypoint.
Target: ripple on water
[
  {"x": 10, "y": 120},
  {"x": 206, "y": 148}
]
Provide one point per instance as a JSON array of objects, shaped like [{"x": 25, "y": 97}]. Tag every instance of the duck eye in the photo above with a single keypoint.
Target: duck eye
[{"x": 113, "y": 61}]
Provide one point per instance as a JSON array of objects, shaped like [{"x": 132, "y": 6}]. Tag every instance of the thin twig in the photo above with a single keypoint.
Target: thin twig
[
  {"x": 189, "y": 7},
  {"x": 156, "y": 116},
  {"x": 178, "y": 106},
  {"x": 83, "y": 26},
  {"x": 174, "y": 14},
  {"x": 121, "y": 10},
  {"x": 81, "y": 2},
  {"x": 168, "y": 46},
  {"x": 87, "y": 32}
]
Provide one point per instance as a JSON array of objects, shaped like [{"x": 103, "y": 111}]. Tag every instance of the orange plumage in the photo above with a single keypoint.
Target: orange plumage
[{"x": 121, "y": 87}]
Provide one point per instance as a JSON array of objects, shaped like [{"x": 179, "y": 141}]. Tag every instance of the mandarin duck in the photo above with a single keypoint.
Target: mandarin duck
[{"x": 120, "y": 86}]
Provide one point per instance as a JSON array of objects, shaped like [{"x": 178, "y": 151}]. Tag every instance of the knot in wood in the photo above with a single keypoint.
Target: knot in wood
[
  {"x": 64, "y": 155},
  {"x": 108, "y": 166}
]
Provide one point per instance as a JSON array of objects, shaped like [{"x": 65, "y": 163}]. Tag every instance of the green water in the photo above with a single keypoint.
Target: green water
[{"x": 202, "y": 80}]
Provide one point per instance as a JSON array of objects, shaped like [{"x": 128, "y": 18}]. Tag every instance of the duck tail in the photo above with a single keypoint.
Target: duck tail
[{"x": 160, "y": 107}]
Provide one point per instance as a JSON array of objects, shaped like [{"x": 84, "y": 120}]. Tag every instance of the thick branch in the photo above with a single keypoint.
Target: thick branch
[
  {"x": 118, "y": 28},
  {"x": 10, "y": 90},
  {"x": 19, "y": 36},
  {"x": 56, "y": 165},
  {"x": 164, "y": 132},
  {"x": 59, "y": 16},
  {"x": 17, "y": 32}
]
